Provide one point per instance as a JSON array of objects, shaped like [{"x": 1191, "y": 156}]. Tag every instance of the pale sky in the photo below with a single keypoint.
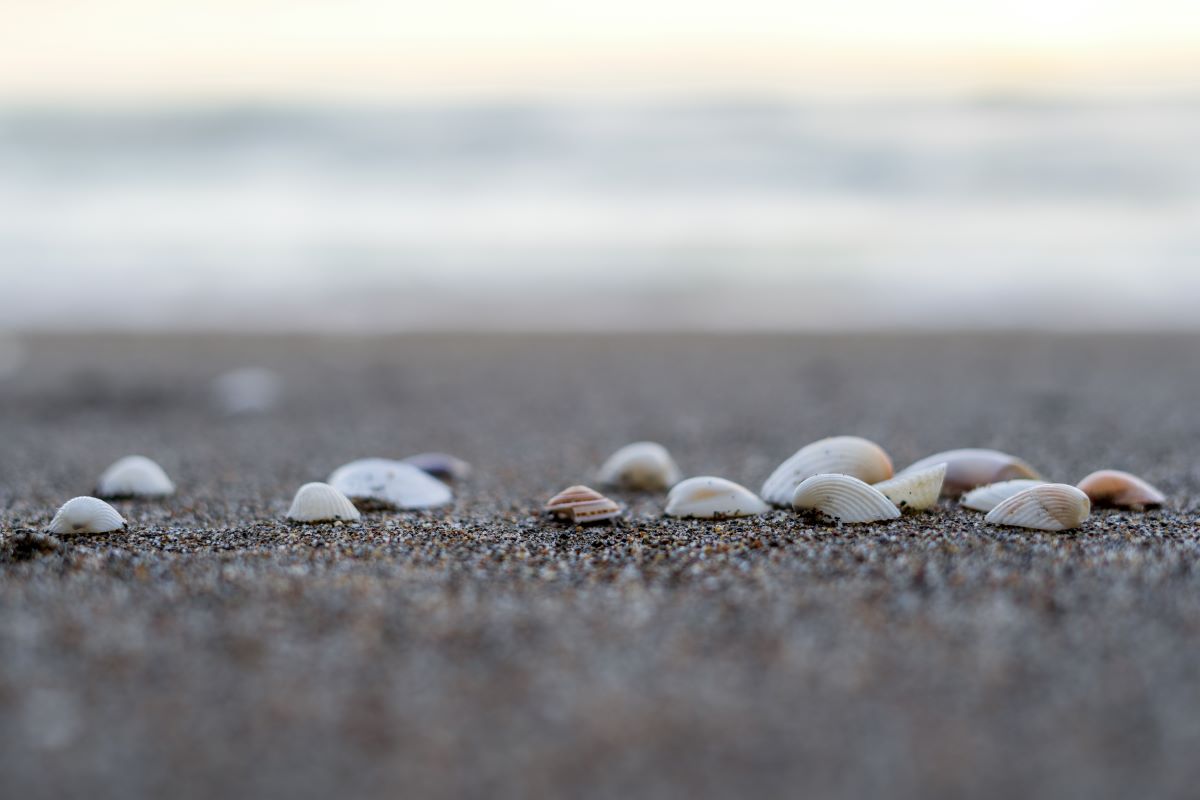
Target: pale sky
[{"x": 128, "y": 49}]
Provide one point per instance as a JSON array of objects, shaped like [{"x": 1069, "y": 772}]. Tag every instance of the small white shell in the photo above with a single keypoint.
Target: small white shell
[
  {"x": 134, "y": 476},
  {"x": 971, "y": 467},
  {"x": 442, "y": 466},
  {"x": 1112, "y": 487},
  {"x": 582, "y": 504},
  {"x": 641, "y": 466},
  {"x": 707, "y": 497},
  {"x": 843, "y": 498},
  {"x": 392, "y": 484},
  {"x": 1045, "y": 507},
  {"x": 985, "y": 498},
  {"x": 915, "y": 491},
  {"x": 843, "y": 455},
  {"x": 247, "y": 390},
  {"x": 86, "y": 515},
  {"x": 320, "y": 502}
]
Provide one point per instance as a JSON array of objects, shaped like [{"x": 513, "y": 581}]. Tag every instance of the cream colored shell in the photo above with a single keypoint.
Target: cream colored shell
[
  {"x": 86, "y": 515},
  {"x": 1045, "y": 507},
  {"x": 844, "y": 455},
  {"x": 985, "y": 498},
  {"x": 972, "y": 467},
  {"x": 1113, "y": 487},
  {"x": 320, "y": 502},
  {"x": 843, "y": 498},
  {"x": 641, "y": 466},
  {"x": 134, "y": 476},
  {"x": 915, "y": 491},
  {"x": 708, "y": 497}
]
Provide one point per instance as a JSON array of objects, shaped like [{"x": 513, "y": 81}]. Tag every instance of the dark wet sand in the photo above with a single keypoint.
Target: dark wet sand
[{"x": 483, "y": 651}]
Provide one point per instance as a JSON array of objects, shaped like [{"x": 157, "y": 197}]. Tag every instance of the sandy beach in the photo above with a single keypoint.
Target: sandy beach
[{"x": 482, "y": 650}]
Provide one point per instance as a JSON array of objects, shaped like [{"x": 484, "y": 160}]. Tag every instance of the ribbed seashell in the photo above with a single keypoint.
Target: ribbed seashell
[
  {"x": 582, "y": 504},
  {"x": 707, "y": 497},
  {"x": 1045, "y": 507},
  {"x": 843, "y": 498},
  {"x": 320, "y": 502},
  {"x": 134, "y": 476},
  {"x": 86, "y": 515},
  {"x": 842, "y": 455},
  {"x": 971, "y": 467},
  {"x": 914, "y": 491},
  {"x": 371, "y": 482},
  {"x": 985, "y": 498},
  {"x": 1112, "y": 487},
  {"x": 442, "y": 466},
  {"x": 248, "y": 390},
  {"x": 641, "y": 466}
]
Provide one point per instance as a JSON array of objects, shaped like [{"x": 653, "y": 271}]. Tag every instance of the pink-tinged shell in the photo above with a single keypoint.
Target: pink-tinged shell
[
  {"x": 582, "y": 504},
  {"x": 972, "y": 467},
  {"x": 1045, "y": 507},
  {"x": 1112, "y": 487}
]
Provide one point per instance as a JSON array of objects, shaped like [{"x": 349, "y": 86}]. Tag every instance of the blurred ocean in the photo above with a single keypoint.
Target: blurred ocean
[{"x": 727, "y": 214}]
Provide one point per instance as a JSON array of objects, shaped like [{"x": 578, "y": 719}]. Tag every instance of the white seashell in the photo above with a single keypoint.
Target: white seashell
[
  {"x": 707, "y": 497},
  {"x": 442, "y": 466},
  {"x": 843, "y": 498},
  {"x": 1045, "y": 507},
  {"x": 1112, "y": 487},
  {"x": 387, "y": 483},
  {"x": 320, "y": 502},
  {"x": 643, "y": 466},
  {"x": 248, "y": 390},
  {"x": 582, "y": 504},
  {"x": 985, "y": 498},
  {"x": 134, "y": 476},
  {"x": 915, "y": 491},
  {"x": 971, "y": 467},
  {"x": 86, "y": 515},
  {"x": 842, "y": 455}
]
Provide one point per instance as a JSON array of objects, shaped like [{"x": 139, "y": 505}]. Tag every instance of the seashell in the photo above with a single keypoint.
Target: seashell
[
  {"x": 320, "y": 502},
  {"x": 371, "y": 482},
  {"x": 248, "y": 390},
  {"x": 442, "y": 466},
  {"x": 641, "y": 466},
  {"x": 86, "y": 515},
  {"x": 843, "y": 498},
  {"x": 985, "y": 498},
  {"x": 1045, "y": 507},
  {"x": 707, "y": 497},
  {"x": 134, "y": 476},
  {"x": 971, "y": 467},
  {"x": 581, "y": 504},
  {"x": 1112, "y": 487},
  {"x": 842, "y": 455},
  {"x": 915, "y": 491}
]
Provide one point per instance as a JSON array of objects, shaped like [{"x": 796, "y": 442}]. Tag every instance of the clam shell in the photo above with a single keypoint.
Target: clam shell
[
  {"x": 442, "y": 466},
  {"x": 707, "y": 497},
  {"x": 320, "y": 502},
  {"x": 915, "y": 491},
  {"x": 247, "y": 390},
  {"x": 843, "y": 498},
  {"x": 985, "y": 498},
  {"x": 1045, "y": 507},
  {"x": 843, "y": 455},
  {"x": 971, "y": 467},
  {"x": 582, "y": 504},
  {"x": 387, "y": 483},
  {"x": 641, "y": 466},
  {"x": 1112, "y": 487},
  {"x": 134, "y": 476},
  {"x": 86, "y": 515}
]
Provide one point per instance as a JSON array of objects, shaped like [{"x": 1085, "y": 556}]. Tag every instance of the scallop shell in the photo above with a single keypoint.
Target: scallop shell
[
  {"x": 843, "y": 498},
  {"x": 641, "y": 466},
  {"x": 985, "y": 498},
  {"x": 971, "y": 467},
  {"x": 582, "y": 504},
  {"x": 843, "y": 455},
  {"x": 391, "y": 484},
  {"x": 134, "y": 476},
  {"x": 1112, "y": 487},
  {"x": 248, "y": 390},
  {"x": 320, "y": 502},
  {"x": 915, "y": 491},
  {"x": 86, "y": 515},
  {"x": 707, "y": 497},
  {"x": 442, "y": 466},
  {"x": 1045, "y": 507}
]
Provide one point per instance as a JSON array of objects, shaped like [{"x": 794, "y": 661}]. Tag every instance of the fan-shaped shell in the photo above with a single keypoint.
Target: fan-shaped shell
[
  {"x": 320, "y": 502},
  {"x": 582, "y": 504},
  {"x": 1112, "y": 487},
  {"x": 843, "y": 455},
  {"x": 247, "y": 390},
  {"x": 86, "y": 515},
  {"x": 985, "y": 498},
  {"x": 843, "y": 498},
  {"x": 915, "y": 491},
  {"x": 134, "y": 476},
  {"x": 641, "y": 466},
  {"x": 971, "y": 467},
  {"x": 442, "y": 466},
  {"x": 1045, "y": 507},
  {"x": 707, "y": 497},
  {"x": 387, "y": 483}
]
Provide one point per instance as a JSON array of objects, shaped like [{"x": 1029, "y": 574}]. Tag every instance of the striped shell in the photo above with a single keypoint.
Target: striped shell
[
  {"x": 1112, "y": 487},
  {"x": 915, "y": 491},
  {"x": 86, "y": 515},
  {"x": 391, "y": 484},
  {"x": 581, "y": 505},
  {"x": 707, "y": 497},
  {"x": 971, "y": 467},
  {"x": 134, "y": 476},
  {"x": 442, "y": 466},
  {"x": 985, "y": 498},
  {"x": 641, "y": 466},
  {"x": 843, "y": 455},
  {"x": 1045, "y": 507},
  {"x": 320, "y": 502},
  {"x": 843, "y": 498}
]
